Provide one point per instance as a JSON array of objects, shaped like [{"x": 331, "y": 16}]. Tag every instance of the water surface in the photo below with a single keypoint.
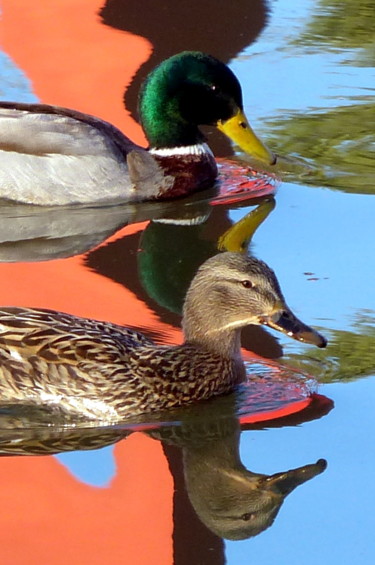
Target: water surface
[{"x": 307, "y": 76}]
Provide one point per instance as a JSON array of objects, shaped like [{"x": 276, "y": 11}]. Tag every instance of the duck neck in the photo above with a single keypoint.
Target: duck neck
[
  {"x": 164, "y": 128},
  {"x": 215, "y": 457},
  {"x": 223, "y": 342}
]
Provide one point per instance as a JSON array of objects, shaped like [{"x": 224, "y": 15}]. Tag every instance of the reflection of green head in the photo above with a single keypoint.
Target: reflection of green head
[
  {"x": 170, "y": 256},
  {"x": 173, "y": 250}
]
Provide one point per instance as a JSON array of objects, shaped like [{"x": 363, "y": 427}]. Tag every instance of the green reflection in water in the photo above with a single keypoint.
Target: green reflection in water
[
  {"x": 344, "y": 24},
  {"x": 334, "y": 147},
  {"x": 338, "y": 143},
  {"x": 350, "y": 355}
]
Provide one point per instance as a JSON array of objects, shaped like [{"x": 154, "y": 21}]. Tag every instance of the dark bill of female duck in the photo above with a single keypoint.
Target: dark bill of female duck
[
  {"x": 241, "y": 290},
  {"x": 286, "y": 322}
]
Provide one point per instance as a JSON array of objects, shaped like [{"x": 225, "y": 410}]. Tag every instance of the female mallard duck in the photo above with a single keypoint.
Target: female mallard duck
[
  {"x": 52, "y": 156},
  {"x": 107, "y": 372}
]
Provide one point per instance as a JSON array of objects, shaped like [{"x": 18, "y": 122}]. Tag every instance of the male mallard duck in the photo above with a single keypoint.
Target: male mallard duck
[
  {"x": 51, "y": 155},
  {"x": 107, "y": 372}
]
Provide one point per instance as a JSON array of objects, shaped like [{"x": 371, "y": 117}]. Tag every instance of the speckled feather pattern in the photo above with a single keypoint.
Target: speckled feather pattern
[
  {"x": 100, "y": 370},
  {"x": 87, "y": 369}
]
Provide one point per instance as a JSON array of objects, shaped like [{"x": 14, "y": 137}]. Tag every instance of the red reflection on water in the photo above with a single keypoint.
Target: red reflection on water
[
  {"x": 72, "y": 59},
  {"x": 47, "y": 515}
]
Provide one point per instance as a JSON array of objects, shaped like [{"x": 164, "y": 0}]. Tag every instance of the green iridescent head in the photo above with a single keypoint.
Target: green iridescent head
[{"x": 192, "y": 89}]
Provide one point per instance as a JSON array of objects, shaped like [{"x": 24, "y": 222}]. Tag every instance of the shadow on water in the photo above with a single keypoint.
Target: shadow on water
[
  {"x": 334, "y": 159},
  {"x": 349, "y": 355}
]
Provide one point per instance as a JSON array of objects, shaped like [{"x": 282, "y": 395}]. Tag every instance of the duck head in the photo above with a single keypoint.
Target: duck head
[
  {"x": 235, "y": 503},
  {"x": 192, "y": 89},
  {"x": 232, "y": 290}
]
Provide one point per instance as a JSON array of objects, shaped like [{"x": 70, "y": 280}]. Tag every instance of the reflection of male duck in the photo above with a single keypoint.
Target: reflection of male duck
[
  {"x": 52, "y": 155},
  {"x": 172, "y": 250},
  {"x": 42, "y": 233},
  {"x": 158, "y": 264},
  {"x": 106, "y": 372}
]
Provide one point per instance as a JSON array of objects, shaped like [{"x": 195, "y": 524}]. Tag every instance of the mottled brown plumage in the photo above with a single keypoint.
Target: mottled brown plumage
[{"x": 106, "y": 372}]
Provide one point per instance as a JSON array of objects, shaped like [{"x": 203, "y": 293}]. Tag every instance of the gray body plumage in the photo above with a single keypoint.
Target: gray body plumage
[{"x": 55, "y": 158}]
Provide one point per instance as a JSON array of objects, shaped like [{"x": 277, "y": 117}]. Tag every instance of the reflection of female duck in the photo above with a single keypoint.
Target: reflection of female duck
[
  {"x": 53, "y": 155},
  {"x": 232, "y": 501},
  {"x": 107, "y": 372}
]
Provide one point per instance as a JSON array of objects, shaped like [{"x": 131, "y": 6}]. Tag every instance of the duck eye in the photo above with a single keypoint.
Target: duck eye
[
  {"x": 247, "y": 284},
  {"x": 213, "y": 87},
  {"x": 247, "y": 516}
]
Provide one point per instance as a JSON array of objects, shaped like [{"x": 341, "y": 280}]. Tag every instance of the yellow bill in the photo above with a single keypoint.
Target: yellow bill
[
  {"x": 238, "y": 130},
  {"x": 238, "y": 237}
]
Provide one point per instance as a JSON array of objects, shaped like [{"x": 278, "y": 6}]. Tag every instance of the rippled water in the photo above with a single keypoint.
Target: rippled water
[{"x": 307, "y": 75}]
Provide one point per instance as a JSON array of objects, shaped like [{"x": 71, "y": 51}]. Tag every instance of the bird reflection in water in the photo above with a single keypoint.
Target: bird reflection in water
[{"x": 230, "y": 500}]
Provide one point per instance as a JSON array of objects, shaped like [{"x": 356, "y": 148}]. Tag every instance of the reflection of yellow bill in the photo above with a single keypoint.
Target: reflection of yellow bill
[
  {"x": 238, "y": 130},
  {"x": 238, "y": 237}
]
